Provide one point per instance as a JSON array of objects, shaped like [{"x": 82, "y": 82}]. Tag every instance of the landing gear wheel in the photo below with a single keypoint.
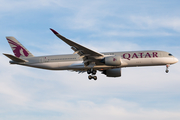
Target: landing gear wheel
[
  {"x": 94, "y": 72},
  {"x": 167, "y": 66},
  {"x": 90, "y": 77},
  {"x": 95, "y": 77},
  {"x": 88, "y": 71}
]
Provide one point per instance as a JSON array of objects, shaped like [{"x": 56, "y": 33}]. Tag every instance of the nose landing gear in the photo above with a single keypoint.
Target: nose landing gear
[
  {"x": 93, "y": 72},
  {"x": 167, "y": 66}
]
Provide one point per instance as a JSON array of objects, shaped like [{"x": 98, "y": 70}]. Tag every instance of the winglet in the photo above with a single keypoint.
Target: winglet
[{"x": 54, "y": 31}]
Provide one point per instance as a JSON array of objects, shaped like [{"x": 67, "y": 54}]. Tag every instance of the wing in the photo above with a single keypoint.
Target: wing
[{"x": 90, "y": 57}]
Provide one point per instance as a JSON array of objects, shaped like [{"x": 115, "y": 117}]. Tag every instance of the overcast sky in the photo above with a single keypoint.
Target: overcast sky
[{"x": 143, "y": 93}]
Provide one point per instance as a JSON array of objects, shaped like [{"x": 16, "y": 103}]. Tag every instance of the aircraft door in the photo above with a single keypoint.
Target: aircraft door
[{"x": 46, "y": 59}]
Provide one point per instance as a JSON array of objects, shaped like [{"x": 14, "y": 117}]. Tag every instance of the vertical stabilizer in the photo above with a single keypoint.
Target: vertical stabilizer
[{"x": 18, "y": 49}]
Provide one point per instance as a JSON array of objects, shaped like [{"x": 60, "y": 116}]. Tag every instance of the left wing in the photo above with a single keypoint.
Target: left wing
[{"x": 90, "y": 57}]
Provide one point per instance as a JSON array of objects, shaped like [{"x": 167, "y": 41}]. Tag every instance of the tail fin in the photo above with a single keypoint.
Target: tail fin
[{"x": 18, "y": 49}]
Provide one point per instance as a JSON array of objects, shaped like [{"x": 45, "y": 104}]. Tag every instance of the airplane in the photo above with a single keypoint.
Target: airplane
[{"x": 86, "y": 60}]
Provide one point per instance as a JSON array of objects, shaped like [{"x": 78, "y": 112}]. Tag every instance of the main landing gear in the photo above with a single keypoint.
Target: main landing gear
[
  {"x": 167, "y": 66},
  {"x": 92, "y": 77},
  {"x": 93, "y": 72}
]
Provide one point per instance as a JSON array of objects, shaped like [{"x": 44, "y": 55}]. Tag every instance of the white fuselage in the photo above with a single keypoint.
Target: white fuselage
[
  {"x": 74, "y": 62},
  {"x": 87, "y": 60}
]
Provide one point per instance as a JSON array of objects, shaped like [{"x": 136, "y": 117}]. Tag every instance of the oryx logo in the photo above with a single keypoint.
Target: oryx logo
[
  {"x": 17, "y": 49},
  {"x": 114, "y": 59}
]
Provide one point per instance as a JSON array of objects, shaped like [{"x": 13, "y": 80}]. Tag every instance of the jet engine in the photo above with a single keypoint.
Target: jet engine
[
  {"x": 112, "y": 61},
  {"x": 112, "y": 72}
]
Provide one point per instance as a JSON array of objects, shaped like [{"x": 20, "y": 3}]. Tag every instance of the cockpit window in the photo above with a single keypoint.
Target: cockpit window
[{"x": 170, "y": 54}]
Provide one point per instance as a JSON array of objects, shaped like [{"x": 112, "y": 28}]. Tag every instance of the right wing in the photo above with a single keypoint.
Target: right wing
[{"x": 89, "y": 56}]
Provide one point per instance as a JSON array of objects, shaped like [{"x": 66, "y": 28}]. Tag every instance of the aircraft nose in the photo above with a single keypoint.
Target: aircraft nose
[{"x": 176, "y": 60}]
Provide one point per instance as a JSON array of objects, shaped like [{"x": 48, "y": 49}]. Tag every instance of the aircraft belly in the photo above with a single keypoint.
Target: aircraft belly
[{"x": 80, "y": 65}]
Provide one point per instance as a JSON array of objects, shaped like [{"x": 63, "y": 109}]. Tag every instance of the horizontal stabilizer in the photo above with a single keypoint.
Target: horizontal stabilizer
[{"x": 14, "y": 58}]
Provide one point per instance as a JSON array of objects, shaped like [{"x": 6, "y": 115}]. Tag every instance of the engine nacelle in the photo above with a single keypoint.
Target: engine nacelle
[
  {"x": 112, "y": 72},
  {"x": 112, "y": 61}
]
